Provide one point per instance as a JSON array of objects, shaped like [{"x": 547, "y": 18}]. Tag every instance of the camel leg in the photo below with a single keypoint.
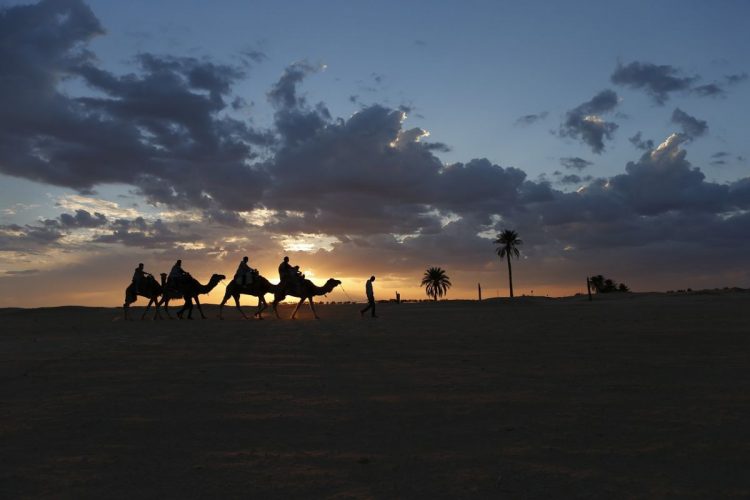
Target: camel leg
[
  {"x": 165, "y": 301},
  {"x": 237, "y": 305},
  {"x": 148, "y": 306},
  {"x": 262, "y": 305},
  {"x": 184, "y": 307},
  {"x": 227, "y": 294},
  {"x": 187, "y": 306},
  {"x": 275, "y": 305},
  {"x": 297, "y": 308},
  {"x": 312, "y": 306},
  {"x": 200, "y": 309},
  {"x": 156, "y": 308}
]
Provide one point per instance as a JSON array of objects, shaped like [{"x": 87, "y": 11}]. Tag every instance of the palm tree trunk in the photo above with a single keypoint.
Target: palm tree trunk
[{"x": 510, "y": 276}]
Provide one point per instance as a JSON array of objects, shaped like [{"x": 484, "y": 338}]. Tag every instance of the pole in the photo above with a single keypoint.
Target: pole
[
  {"x": 479, "y": 291},
  {"x": 588, "y": 287}
]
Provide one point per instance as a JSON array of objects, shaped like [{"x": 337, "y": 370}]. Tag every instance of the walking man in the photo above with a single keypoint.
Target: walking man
[{"x": 370, "y": 298}]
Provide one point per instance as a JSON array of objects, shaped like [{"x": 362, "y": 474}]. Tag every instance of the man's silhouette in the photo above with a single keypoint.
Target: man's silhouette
[
  {"x": 370, "y": 298},
  {"x": 242, "y": 270},
  {"x": 138, "y": 277},
  {"x": 177, "y": 273},
  {"x": 285, "y": 270}
]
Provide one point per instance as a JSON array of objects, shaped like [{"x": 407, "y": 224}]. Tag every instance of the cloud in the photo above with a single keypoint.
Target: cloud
[
  {"x": 365, "y": 190},
  {"x": 161, "y": 129},
  {"x": 709, "y": 90},
  {"x": 526, "y": 120},
  {"x": 584, "y": 122},
  {"x": 575, "y": 163},
  {"x": 736, "y": 78},
  {"x": 691, "y": 126},
  {"x": 639, "y": 143},
  {"x": 657, "y": 80},
  {"x": 82, "y": 218}
]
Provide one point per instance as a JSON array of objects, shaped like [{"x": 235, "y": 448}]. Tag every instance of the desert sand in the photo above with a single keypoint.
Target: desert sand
[{"x": 626, "y": 396}]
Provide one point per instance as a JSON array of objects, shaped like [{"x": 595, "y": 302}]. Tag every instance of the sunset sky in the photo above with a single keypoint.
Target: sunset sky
[{"x": 377, "y": 138}]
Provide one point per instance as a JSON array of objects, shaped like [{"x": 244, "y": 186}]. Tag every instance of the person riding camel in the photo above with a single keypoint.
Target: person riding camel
[
  {"x": 177, "y": 273},
  {"x": 244, "y": 272},
  {"x": 138, "y": 277},
  {"x": 288, "y": 273}
]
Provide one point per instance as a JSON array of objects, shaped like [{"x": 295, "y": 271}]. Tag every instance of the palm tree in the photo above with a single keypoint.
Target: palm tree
[
  {"x": 436, "y": 282},
  {"x": 509, "y": 243}
]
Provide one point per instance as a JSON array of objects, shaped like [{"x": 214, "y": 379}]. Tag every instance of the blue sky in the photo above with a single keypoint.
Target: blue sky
[{"x": 464, "y": 72}]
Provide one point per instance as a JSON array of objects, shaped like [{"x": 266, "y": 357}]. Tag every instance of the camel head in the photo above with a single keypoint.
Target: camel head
[
  {"x": 331, "y": 284},
  {"x": 215, "y": 278}
]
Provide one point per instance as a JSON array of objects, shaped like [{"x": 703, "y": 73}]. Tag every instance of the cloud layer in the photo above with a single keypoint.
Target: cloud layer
[{"x": 368, "y": 189}]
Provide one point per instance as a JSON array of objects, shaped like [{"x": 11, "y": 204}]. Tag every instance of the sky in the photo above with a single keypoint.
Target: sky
[{"x": 363, "y": 138}]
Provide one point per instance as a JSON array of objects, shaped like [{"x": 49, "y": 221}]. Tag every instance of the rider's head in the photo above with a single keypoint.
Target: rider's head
[
  {"x": 245, "y": 259},
  {"x": 140, "y": 266},
  {"x": 372, "y": 278},
  {"x": 179, "y": 262},
  {"x": 286, "y": 259}
]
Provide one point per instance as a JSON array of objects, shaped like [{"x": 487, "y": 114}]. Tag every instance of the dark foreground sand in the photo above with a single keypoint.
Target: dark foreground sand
[{"x": 639, "y": 396}]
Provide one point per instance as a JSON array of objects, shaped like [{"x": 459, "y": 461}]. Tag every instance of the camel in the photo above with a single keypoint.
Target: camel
[
  {"x": 305, "y": 290},
  {"x": 188, "y": 288},
  {"x": 259, "y": 287},
  {"x": 150, "y": 289}
]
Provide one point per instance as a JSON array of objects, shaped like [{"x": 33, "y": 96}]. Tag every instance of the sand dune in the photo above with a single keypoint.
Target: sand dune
[{"x": 638, "y": 395}]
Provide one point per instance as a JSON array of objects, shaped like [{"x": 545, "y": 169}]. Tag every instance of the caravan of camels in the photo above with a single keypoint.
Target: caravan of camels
[{"x": 180, "y": 284}]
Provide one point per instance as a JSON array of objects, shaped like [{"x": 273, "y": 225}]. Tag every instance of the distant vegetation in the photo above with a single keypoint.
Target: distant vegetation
[
  {"x": 436, "y": 282},
  {"x": 600, "y": 284},
  {"x": 509, "y": 243}
]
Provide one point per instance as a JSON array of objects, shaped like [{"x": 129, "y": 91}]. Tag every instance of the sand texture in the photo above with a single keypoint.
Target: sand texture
[{"x": 633, "y": 396}]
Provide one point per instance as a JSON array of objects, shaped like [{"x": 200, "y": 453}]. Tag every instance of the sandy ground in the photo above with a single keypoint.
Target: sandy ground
[{"x": 637, "y": 396}]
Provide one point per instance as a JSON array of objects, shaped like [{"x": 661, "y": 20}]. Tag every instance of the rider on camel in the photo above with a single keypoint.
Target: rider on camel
[
  {"x": 242, "y": 272},
  {"x": 138, "y": 277},
  {"x": 177, "y": 273}
]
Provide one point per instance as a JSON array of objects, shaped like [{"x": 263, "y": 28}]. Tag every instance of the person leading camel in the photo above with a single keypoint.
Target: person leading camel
[{"x": 370, "y": 298}]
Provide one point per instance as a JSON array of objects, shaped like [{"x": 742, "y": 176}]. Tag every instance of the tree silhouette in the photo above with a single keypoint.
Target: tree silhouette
[
  {"x": 509, "y": 243},
  {"x": 606, "y": 285},
  {"x": 436, "y": 282}
]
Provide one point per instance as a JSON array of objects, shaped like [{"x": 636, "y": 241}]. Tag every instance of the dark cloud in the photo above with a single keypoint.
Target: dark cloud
[
  {"x": 83, "y": 219},
  {"x": 657, "y": 80},
  {"x": 709, "y": 90},
  {"x": 571, "y": 179},
  {"x": 23, "y": 272},
  {"x": 29, "y": 238},
  {"x": 585, "y": 123},
  {"x": 575, "y": 163},
  {"x": 254, "y": 55},
  {"x": 691, "y": 126},
  {"x": 640, "y": 143},
  {"x": 161, "y": 129},
  {"x": 736, "y": 78},
  {"x": 141, "y": 233},
  {"x": 531, "y": 119}
]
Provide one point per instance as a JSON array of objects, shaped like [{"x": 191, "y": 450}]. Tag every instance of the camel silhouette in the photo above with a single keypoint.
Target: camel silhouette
[
  {"x": 305, "y": 290},
  {"x": 150, "y": 289},
  {"x": 258, "y": 288},
  {"x": 188, "y": 288}
]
